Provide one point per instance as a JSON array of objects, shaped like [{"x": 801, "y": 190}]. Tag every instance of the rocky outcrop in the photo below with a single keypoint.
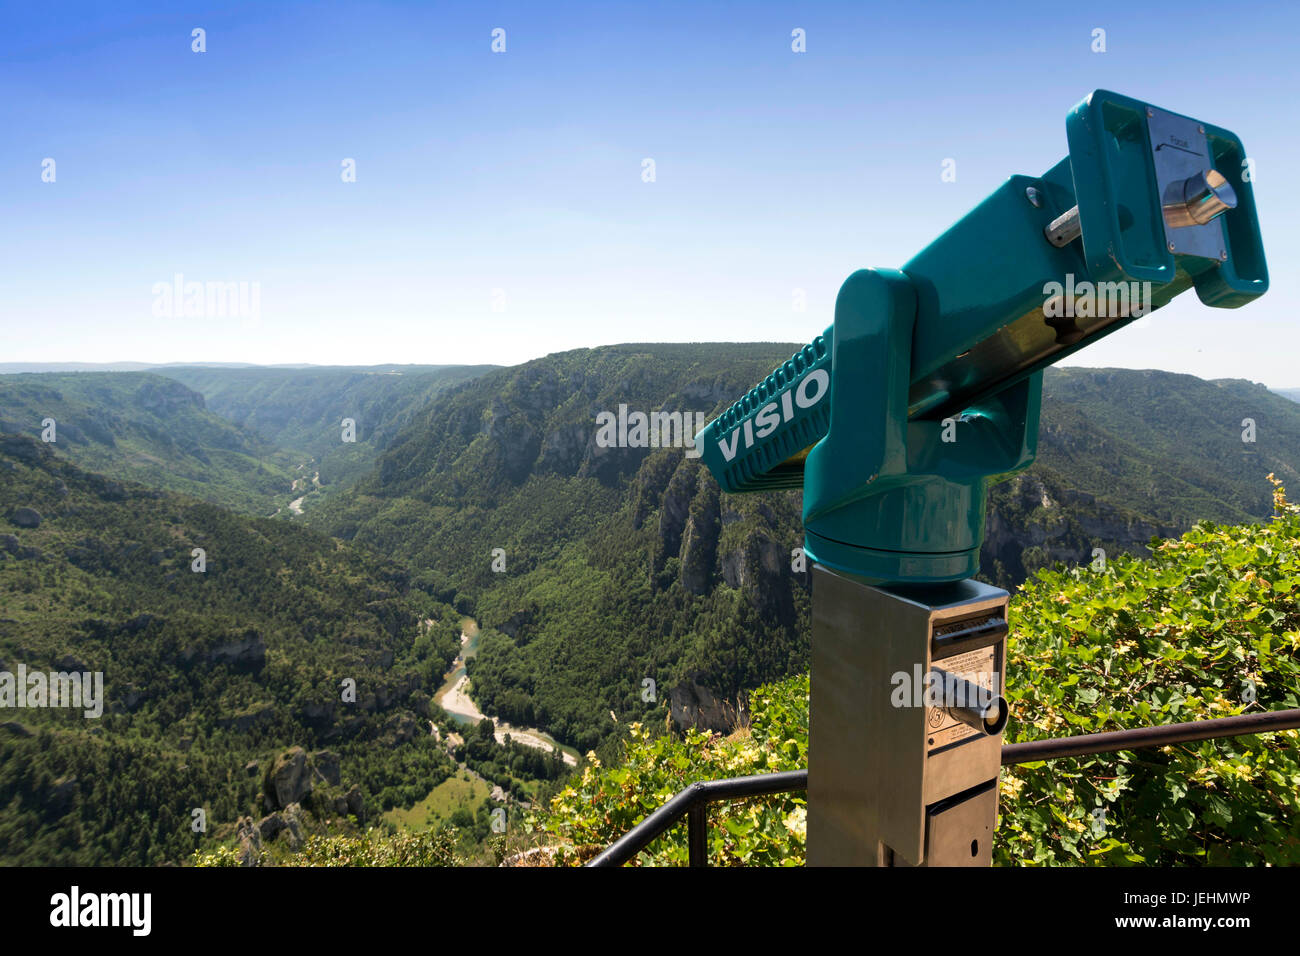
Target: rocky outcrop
[
  {"x": 675, "y": 511},
  {"x": 700, "y": 539},
  {"x": 26, "y": 518},
  {"x": 248, "y": 718},
  {"x": 325, "y": 764},
  {"x": 10, "y": 544},
  {"x": 248, "y": 840},
  {"x": 760, "y": 568},
  {"x": 24, "y": 448},
  {"x": 288, "y": 822},
  {"x": 565, "y": 448},
  {"x": 318, "y": 713},
  {"x": 400, "y": 729},
  {"x": 246, "y": 653},
  {"x": 270, "y": 826},
  {"x": 519, "y": 624},
  {"x": 293, "y": 825},
  {"x": 651, "y": 482},
  {"x": 1032, "y": 525},
  {"x": 356, "y": 801},
  {"x": 61, "y": 796},
  {"x": 69, "y": 662},
  {"x": 759, "y": 560},
  {"x": 288, "y": 780},
  {"x": 693, "y": 705},
  {"x": 292, "y": 779}
]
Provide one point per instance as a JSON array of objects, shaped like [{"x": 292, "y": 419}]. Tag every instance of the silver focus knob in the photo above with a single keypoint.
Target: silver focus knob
[{"x": 1198, "y": 199}]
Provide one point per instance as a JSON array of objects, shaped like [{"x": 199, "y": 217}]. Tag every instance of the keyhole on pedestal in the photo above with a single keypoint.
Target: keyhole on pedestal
[{"x": 974, "y": 847}]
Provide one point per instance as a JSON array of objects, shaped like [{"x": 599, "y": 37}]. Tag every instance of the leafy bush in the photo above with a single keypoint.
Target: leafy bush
[
  {"x": 1209, "y": 627},
  {"x": 427, "y": 848},
  {"x": 605, "y": 802}
]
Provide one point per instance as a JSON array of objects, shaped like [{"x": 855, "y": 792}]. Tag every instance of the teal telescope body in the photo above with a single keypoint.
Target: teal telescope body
[{"x": 927, "y": 387}]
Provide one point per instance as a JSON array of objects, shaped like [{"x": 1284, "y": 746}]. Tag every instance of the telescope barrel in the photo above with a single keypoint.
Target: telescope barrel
[{"x": 1140, "y": 211}]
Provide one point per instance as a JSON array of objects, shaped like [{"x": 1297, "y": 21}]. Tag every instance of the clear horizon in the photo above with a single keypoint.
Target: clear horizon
[
  {"x": 7, "y": 368},
  {"x": 499, "y": 211}
]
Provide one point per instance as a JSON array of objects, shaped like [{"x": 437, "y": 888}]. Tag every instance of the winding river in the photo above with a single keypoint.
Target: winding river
[{"x": 453, "y": 697}]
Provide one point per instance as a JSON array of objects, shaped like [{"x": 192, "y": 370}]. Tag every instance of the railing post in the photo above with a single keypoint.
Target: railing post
[{"x": 697, "y": 834}]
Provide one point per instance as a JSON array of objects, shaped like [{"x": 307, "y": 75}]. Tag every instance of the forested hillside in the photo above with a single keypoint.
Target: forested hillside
[
  {"x": 300, "y": 410},
  {"x": 618, "y": 566},
  {"x": 140, "y": 426},
  {"x": 611, "y": 555},
  {"x": 1125, "y": 455},
  {"x": 223, "y": 640}
]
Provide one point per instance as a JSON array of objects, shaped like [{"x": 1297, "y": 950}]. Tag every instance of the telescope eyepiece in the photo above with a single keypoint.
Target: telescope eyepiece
[
  {"x": 1198, "y": 199},
  {"x": 973, "y": 705}
]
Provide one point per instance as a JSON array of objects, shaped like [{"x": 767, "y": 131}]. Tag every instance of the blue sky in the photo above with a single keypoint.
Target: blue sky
[{"x": 522, "y": 171}]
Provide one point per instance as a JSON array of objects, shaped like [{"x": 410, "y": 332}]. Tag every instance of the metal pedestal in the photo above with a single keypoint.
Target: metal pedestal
[{"x": 906, "y": 721}]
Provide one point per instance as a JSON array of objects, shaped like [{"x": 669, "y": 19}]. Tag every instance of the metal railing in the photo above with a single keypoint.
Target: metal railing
[{"x": 693, "y": 802}]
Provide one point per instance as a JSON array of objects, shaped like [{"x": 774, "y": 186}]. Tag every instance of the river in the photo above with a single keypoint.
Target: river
[{"x": 453, "y": 697}]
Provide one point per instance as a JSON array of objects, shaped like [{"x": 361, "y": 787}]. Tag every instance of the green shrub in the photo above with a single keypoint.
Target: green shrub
[
  {"x": 603, "y": 803},
  {"x": 426, "y": 848},
  {"x": 1208, "y": 627}
]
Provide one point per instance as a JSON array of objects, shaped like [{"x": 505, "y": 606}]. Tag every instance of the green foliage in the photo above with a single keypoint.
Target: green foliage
[
  {"x": 1208, "y": 627},
  {"x": 373, "y": 848},
  {"x": 510, "y": 765},
  {"x": 86, "y": 799},
  {"x": 603, "y": 803}
]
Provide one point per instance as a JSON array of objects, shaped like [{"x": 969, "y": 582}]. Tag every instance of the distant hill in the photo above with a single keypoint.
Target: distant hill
[
  {"x": 15, "y": 368},
  {"x": 202, "y": 672},
  {"x": 19, "y": 368},
  {"x": 623, "y": 564},
  {"x": 1124, "y": 455},
  {"x": 1291, "y": 393},
  {"x": 301, "y": 410},
  {"x": 254, "y": 438},
  {"x": 143, "y": 427}
]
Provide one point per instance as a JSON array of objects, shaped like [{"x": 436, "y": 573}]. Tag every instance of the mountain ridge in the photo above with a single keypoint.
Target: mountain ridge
[{"x": 676, "y": 582}]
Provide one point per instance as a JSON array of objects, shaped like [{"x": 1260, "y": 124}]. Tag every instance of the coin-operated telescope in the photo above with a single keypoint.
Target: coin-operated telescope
[{"x": 925, "y": 391}]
